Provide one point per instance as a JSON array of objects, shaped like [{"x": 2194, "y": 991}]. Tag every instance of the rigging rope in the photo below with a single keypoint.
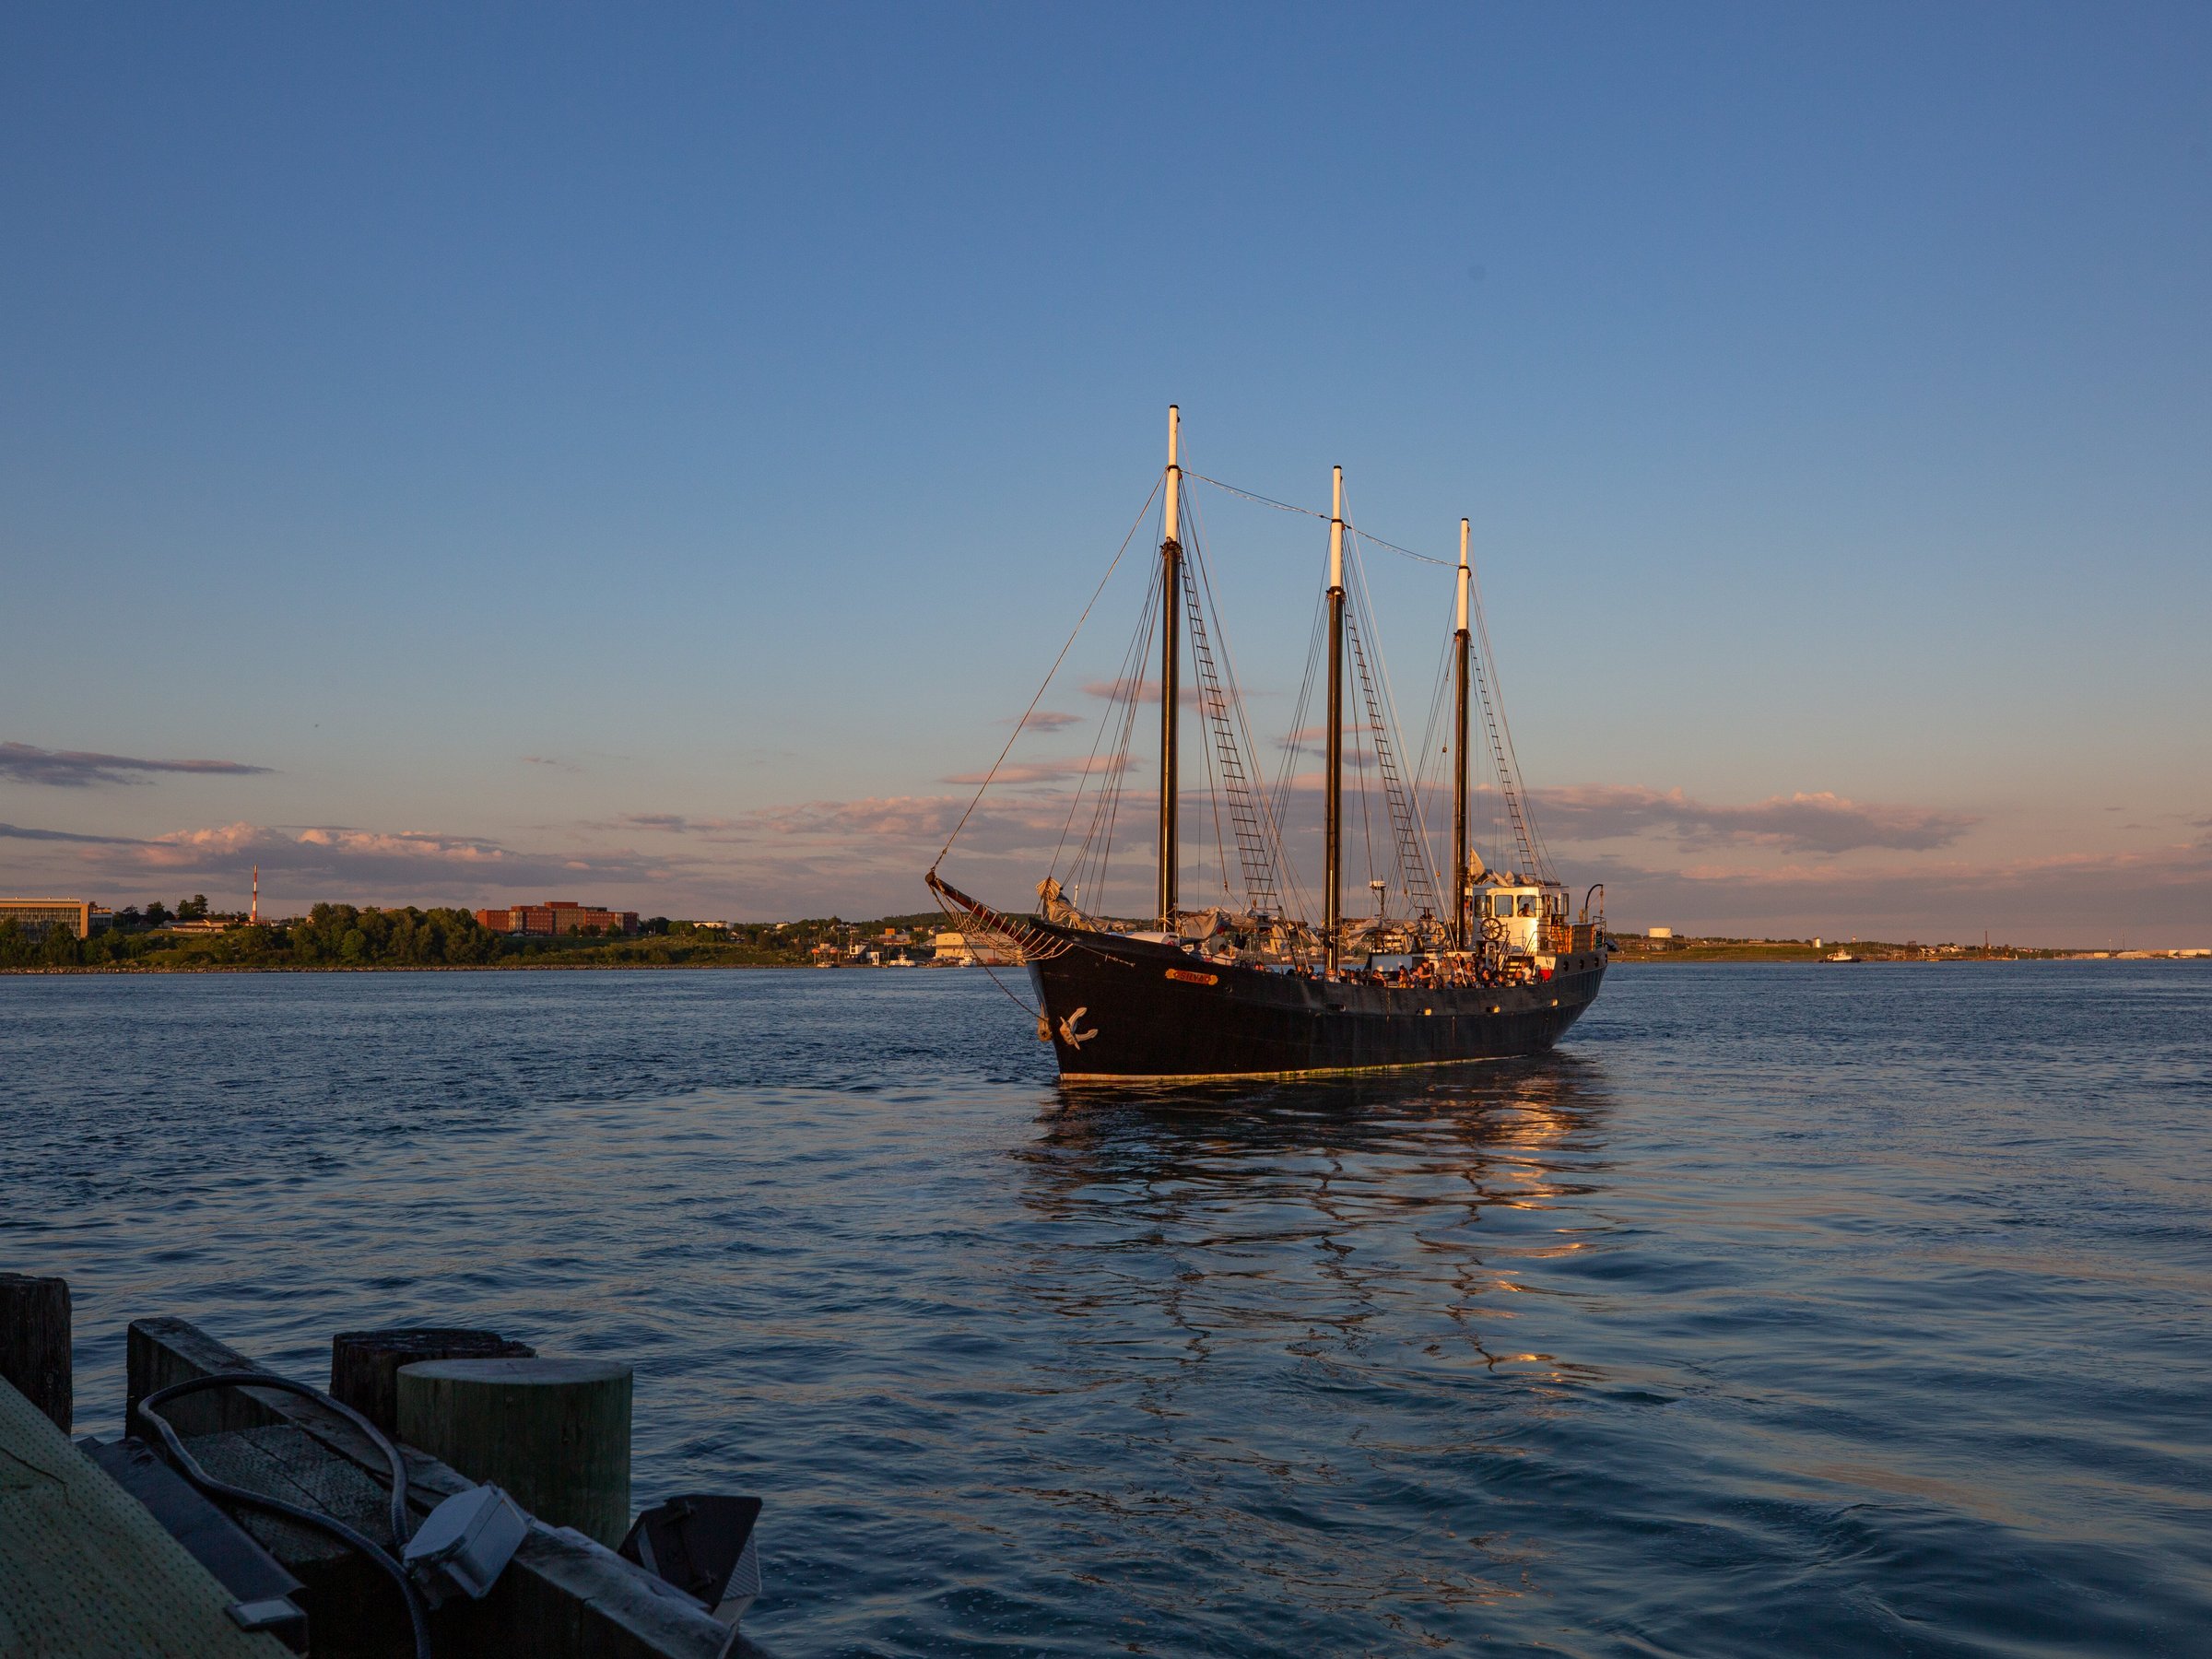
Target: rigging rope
[
  {"x": 1448, "y": 564},
  {"x": 1411, "y": 837},
  {"x": 1510, "y": 781},
  {"x": 1107, "y": 812},
  {"x": 1258, "y": 834},
  {"x": 1258, "y": 848},
  {"x": 1432, "y": 777},
  {"x": 1514, "y": 791},
  {"x": 967, "y": 923},
  {"x": 1024, "y": 721},
  {"x": 1260, "y": 844}
]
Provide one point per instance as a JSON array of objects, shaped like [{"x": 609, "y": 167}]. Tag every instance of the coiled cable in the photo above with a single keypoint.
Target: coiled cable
[{"x": 387, "y": 1561}]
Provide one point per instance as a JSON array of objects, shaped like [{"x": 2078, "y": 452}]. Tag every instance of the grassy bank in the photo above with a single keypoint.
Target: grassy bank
[{"x": 340, "y": 937}]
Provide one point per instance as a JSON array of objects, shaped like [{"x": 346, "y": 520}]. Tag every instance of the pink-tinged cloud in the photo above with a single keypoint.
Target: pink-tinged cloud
[
  {"x": 1313, "y": 736},
  {"x": 1823, "y": 822},
  {"x": 344, "y": 863},
  {"x": 2159, "y": 898},
  {"x": 1047, "y": 771},
  {"x": 1793, "y": 866},
  {"x": 864, "y": 826},
  {"x": 80, "y": 769},
  {"x": 22, "y": 832},
  {"x": 1147, "y": 691}
]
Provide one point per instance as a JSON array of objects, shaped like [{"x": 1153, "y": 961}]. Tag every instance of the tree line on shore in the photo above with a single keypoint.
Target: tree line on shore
[
  {"x": 345, "y": 935},
  {"x": 330, "y": 935}
]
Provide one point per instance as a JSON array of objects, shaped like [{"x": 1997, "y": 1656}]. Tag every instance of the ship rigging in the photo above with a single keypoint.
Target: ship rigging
[{"x": 1250, "y": 985}]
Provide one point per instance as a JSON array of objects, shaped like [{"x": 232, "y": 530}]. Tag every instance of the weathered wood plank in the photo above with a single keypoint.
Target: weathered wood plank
[
  {"x": 34, "y": 1344},
  {"x": 354, "y": 1611},
  {"x": 162, "y": 1351}
]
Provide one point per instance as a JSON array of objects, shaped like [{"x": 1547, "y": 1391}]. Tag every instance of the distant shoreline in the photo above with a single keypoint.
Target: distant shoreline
[
  {"x": 127, "y": 970},
  {"x": 1671, "y": 958},
  {"x": 1694, "y": 960}
]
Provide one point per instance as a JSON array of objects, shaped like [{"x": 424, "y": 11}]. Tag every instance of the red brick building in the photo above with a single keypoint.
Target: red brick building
[{"x": 557, "y": 916}]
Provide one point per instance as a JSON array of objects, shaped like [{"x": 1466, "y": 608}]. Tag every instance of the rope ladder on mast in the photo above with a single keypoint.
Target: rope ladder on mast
[
  {"x": 1253, "y": 851},
  {"x": 1508, "y": 777},
  {"x": 1413, "y": 865}
]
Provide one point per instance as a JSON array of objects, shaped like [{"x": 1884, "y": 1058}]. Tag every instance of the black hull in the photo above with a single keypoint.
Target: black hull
[{"x": 1117, "y": 1016}]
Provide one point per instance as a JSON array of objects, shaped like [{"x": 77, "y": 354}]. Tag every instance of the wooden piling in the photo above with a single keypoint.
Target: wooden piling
[
  {"x": 553, "y": 1432},
  {"x": 560, "y": 1599},
  {"x": 364, "y": 1365},
  {"x": 34, "y": 1344}
]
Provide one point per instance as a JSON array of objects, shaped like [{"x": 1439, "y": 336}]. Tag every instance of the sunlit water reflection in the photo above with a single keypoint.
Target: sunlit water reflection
[{"x": 1785, "y": 1311}]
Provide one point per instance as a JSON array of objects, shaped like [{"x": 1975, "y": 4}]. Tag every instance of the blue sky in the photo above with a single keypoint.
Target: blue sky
[{"x": 642, "y": 455}]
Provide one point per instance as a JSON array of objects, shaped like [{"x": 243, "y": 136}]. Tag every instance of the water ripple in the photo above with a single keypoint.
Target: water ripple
[{"x": 1788, "y": 1310}]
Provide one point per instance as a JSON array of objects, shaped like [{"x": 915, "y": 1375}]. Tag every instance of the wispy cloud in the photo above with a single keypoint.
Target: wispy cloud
[
  {"x": 895, "y": 817},
  {"x": 1822, "y": 822},
  {"x": 552, "y": 760},
  {"x": 2162, "y": 896},
  {"x": 1146, "y": 690},
  {"x": 889, "y": 831},
  {"x": 1047, "y": 772},
  {"x": 21, "y": 832},
  {"x": 1802, "y": 863},
  {"x": 79, "y": 768},
  {"x": 676, "y": 823},
  {"x": 1051, "y": 720},
  {"x": 340, "y": 862}
]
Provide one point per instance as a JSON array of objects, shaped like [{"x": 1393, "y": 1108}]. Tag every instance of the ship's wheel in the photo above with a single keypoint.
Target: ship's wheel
[{"x": 1493, "y": 930}]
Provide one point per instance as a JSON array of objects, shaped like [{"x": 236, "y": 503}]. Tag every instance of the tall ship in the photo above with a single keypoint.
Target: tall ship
[{"x": 1253, "y": 982}]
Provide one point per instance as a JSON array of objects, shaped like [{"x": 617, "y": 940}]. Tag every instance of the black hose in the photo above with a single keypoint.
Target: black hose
[{"x": 417, "y": 1619}]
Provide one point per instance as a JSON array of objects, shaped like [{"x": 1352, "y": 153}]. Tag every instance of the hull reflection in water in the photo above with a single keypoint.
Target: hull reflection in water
[{"x": 1338, "y": 1266}]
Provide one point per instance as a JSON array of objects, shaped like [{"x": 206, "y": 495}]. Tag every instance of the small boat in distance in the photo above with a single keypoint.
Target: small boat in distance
[
  {"x": 1499, "y": 969},
  {"x": 1840, "y": 955}
]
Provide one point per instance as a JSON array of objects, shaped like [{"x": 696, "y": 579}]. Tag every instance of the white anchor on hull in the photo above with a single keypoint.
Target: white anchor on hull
[{"x": 1069, "y": 1035}]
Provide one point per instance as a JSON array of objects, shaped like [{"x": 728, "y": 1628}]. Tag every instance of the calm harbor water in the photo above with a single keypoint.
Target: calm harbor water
[{"x": 1785, "y": 1311}]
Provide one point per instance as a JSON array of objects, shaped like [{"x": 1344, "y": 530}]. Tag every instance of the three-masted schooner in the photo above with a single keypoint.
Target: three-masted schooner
[{"x": 1195, "y": 992}]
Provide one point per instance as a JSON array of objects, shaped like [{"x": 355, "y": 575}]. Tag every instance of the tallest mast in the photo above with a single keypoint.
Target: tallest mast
[
  {"x": 1460, "y": 649},
  {"x": 1170, "y": 611},
  {"x": 1333, "y": 842}
]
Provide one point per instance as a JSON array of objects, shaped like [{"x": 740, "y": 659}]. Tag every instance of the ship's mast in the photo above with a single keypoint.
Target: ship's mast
[
  {"x": 1171, "y": 609},
  {"x": 1332, "y": 844},
  {"x": 1460, "y": 649}
]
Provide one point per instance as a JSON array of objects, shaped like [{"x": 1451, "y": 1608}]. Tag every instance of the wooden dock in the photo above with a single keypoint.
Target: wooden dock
[
  {"x": 87, "y": 1572},
  {"x": 562, "y": 1596}
]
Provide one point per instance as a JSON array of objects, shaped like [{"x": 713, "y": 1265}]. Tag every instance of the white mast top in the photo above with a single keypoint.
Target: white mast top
[
  {"x": 1174, "y": 473},
  {"x": 1337, "y": 533},
  {"x": 1463, "y": 576}
]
